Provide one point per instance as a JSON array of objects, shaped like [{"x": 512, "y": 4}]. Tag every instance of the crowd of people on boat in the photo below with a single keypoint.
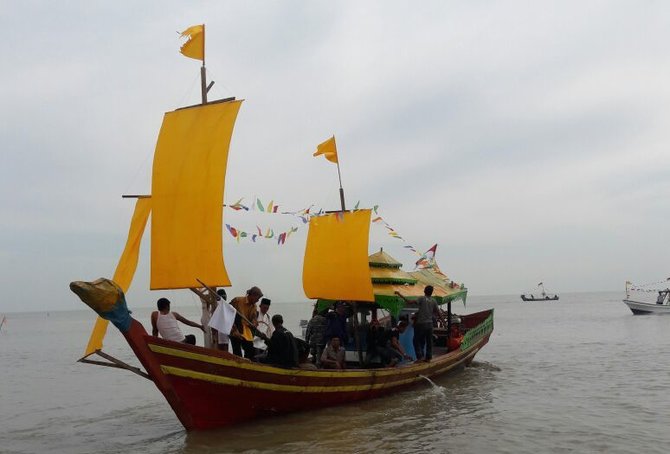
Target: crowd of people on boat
[{"x": 255, "y": 335}]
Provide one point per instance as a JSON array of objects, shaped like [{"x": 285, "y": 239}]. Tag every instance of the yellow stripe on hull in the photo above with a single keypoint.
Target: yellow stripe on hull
[
  {"x": 223, "y": 380},
  {"x": 420, "y": 367}
]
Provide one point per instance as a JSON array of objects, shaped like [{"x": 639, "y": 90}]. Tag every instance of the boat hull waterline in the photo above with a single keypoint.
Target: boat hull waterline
[
  {"x": 544, "y": 298},
  {"x": 641, "y": 308}
]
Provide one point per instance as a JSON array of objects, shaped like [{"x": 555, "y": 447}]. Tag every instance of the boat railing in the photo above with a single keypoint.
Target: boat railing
[{"x": 473, "y": 335}]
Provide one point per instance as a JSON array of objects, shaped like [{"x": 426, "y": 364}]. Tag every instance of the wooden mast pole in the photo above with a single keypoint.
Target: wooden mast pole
[
  {"x": 203, "y": 75},
  {"x": 339, "y": 176}
]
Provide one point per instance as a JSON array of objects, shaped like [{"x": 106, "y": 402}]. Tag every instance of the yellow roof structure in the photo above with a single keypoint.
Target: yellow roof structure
[{"x": 387, "y": 278}]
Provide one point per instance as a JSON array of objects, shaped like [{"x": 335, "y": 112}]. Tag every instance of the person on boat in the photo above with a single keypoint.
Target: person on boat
[
  {"x": 264, "y": 325},
  {"x": 386, "y": 344},
  {"x": 282, "y": 348},
  {"x": 455, "y": 338},
  {"x": 333, "y": 355},
  {"x": 241, "y": 336},
  {"x": 315, "y": 334},
  {"x": 423, "y": 327},
  {"x": 220, "y": 338},
  {"x": 406, "y": 337},
  {"x": 164, "y": 322},
  {"x": 337, "y": 324},
  {"x": 394, "y": 340},
  {"x": 208, "y": 305},
  {"x": 303, "y": 356}
]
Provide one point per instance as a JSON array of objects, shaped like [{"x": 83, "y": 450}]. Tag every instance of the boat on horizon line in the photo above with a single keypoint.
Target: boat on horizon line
[
  {"x": 208, "y": 388},
  {"x": 639, "y": 306},
  {"x": 542, "y": 296}
]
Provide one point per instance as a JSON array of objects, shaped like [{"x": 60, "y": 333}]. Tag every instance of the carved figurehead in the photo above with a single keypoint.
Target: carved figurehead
[{"x": 106, "y": 298}]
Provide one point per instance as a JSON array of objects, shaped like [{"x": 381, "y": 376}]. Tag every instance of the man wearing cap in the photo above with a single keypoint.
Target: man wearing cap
[
  {"x": 241, "y": 337},
  {"x": 282, "y": 348},
  {"x": 264, "y": 324}
]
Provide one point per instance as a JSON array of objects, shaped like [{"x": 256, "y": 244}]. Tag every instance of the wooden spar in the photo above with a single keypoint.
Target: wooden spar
[
  {"x": 135, "y": 196},
  {"x": 113, "y": 362}
]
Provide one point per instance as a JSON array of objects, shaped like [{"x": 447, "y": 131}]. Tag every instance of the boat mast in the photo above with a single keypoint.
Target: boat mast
[
  {"x": 204, "y": 88},
  {"x": 341, "y": 190}
]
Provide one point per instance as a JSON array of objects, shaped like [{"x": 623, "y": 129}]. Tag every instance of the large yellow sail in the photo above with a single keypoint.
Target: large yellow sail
[
  {"x": 187, "y": 196},
  {"x": 336, "y": 257},
  {"x": 125, "y": 269}
]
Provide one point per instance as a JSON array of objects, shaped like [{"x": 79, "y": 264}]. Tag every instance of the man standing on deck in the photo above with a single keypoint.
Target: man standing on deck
[
  {"x": 423, "y": 327},
  {"x": 337, "y": 324},
  {"x": 241, "y": 337},
  {"x": 164, "y": 322},
  {"x": 264, "y": 325},
  {"x": 315, "y": 334}
]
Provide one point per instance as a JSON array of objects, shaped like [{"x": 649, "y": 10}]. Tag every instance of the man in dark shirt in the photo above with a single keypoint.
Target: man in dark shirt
[
  {"x": 423, "y": 327},
  {"x": 315, "y": 335},
  {"x": 282, "y": 349},
  {"x": 337, "y": 324}
]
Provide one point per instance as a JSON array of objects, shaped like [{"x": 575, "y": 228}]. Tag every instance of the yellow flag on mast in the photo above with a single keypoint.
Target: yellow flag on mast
[
  {"x": 328, "y": 149},
  {"x": 195, "y": 46}
]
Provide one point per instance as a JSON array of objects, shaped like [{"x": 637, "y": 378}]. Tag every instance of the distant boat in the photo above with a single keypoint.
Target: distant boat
[
  {"x": 638, "y": 307},
  {"x": 543, "y": 296},
  {"x": 2, "y": 321}
]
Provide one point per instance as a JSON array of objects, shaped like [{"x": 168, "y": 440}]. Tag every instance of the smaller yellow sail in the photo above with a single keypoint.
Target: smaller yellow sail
[
  {"x": 125, "y": 270},
  {"x": 336, "y": 257}
]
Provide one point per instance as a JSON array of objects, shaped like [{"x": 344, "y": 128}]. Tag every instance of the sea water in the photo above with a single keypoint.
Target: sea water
[{"x": 581, "y": 374}]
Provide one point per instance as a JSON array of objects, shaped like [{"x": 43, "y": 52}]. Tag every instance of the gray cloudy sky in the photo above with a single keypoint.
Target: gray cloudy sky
[{"x": 528, "y": 139}]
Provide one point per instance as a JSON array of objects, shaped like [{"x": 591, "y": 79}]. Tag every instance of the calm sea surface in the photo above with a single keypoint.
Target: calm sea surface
[{"x": 578, "y": 375}]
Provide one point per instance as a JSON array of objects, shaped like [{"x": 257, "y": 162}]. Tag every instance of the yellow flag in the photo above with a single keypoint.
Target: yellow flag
[
  {"x": 195, "y": 46},
  {"x": 328, "y": 149}
]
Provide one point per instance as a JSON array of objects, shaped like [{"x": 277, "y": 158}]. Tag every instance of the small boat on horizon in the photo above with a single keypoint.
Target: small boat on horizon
[{"x": 543, "y": 296}]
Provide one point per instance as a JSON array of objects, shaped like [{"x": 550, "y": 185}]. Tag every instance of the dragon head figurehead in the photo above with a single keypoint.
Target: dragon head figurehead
[{"x": 106, "y": 298}]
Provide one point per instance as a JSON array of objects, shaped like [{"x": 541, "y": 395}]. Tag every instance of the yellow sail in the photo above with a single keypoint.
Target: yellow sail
[
  {"x": 336, "y": 257},
  {"x": 125, "y": 269},
  {"x": 187, "y": 196}
]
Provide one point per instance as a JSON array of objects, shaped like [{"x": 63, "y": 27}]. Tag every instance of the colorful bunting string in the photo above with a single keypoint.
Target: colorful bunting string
[{"x": 303, "y": 216}]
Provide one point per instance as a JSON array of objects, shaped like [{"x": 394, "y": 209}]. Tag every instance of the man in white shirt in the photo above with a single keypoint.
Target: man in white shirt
[
  {"x": 264, "y": 324},
  {"x": 164, "y": 322}
]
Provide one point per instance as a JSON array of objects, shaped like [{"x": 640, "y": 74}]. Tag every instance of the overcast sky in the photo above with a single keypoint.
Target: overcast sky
[{"x": 528, "y": 139}]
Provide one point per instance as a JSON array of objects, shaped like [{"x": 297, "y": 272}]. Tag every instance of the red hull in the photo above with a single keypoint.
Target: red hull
[{"x": 209, "y": 389}]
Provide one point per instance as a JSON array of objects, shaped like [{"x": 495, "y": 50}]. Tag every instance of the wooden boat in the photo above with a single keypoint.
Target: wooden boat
[
  {"x": 639, "y": 307},
  {"x": 209, "y": 388},
  {"x": 543, "y": 296}
]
